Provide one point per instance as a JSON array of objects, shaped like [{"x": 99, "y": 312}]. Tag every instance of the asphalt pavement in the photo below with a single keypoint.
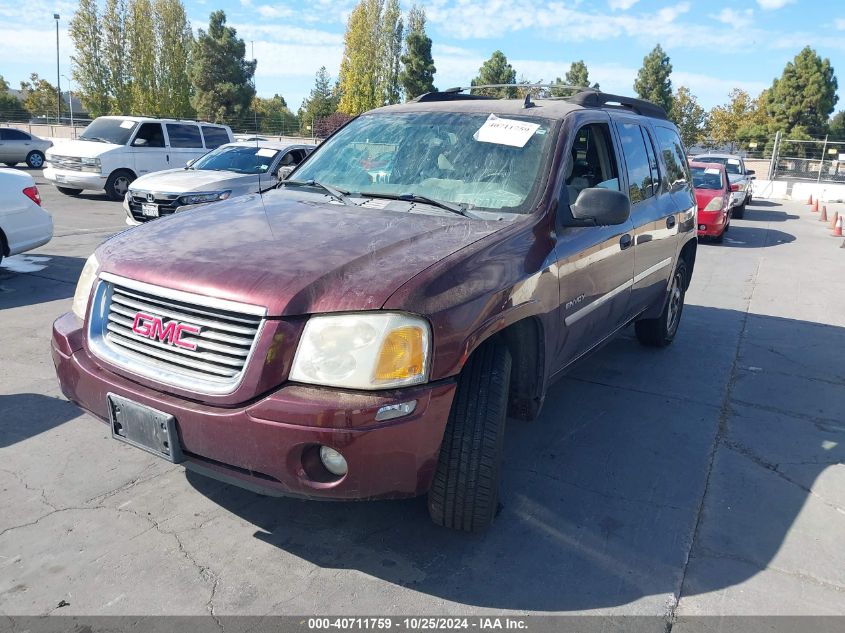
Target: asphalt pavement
[{"x": 705, "y": 478}]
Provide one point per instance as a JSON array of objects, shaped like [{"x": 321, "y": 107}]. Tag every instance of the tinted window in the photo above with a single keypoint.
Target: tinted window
[
  {"x": 214, "y": 136},
  {"x": 149, "y": 135},
  {"x": 592, "y": 162},
  {"x": 14, "y": 135},
  {"x": 184, "y": 135},
  {"x": 673, "y": 156},
  {"x": 652, "y": 162},
  {"x": 732, "y": 165},
  {"x": 636, "y": 162}
]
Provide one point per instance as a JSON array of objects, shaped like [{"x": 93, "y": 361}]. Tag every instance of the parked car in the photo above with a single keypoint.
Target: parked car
[
  {"x": 231, "y": 170},
  {"x": 348, "y": 337},
  {"x": 713, "y": 197},
  {"x": 741, "y": 186},
  {"x": 17, "y": 146},
  {"x": 114, "y": 150},
  {"x": 24, "y": 225}
]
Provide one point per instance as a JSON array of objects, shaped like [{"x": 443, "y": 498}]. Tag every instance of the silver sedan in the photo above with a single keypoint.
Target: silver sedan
[{"x": 17, "y": 146}]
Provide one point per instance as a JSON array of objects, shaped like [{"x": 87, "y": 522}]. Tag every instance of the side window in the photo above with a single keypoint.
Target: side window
[
  {"x": 677, "y": 170},
  {"x": 149, "y": 135},
  {"x": 637, "y": 162},
  {"x": 592, "y": 162},
  {"x": 12, "y": 134},
  {"x": 652, "y": 161},
  {"x": 214, "y": 136},
  {"x": 182, "y": 135},
  {"x": 288, "y": 159}
]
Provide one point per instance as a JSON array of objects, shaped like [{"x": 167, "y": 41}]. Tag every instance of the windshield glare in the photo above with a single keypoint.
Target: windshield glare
[
  {"x": 706, "y": 178},
  {"x": 115, "y": 131},
  {"x": 239, "y": 159},
  {"x": 731, "y": 168},
  {"x": 432, "y": 154}
]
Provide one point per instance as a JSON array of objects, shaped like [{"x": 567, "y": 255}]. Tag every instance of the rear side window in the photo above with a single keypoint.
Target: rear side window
[
  {"x": 677, "y": 171},
  {"x": 13, "y": 135},
  {"x": 184, "y": 135},
  {"x": 214, "y": 136},
  {"x": 640, "y": 179}
]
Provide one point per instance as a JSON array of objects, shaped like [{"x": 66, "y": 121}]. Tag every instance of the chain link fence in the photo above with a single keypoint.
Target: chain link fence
[{"x": 816, "y": 160}]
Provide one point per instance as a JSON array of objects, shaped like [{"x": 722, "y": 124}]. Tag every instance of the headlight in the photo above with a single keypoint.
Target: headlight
[
  {"x": 367, "y": 350},
  {"x": 201, "y": 198},
  {"x": 84, "y": 285},
  {"x": 715, "y": 204},
  {"x": 90, "y": 164}
]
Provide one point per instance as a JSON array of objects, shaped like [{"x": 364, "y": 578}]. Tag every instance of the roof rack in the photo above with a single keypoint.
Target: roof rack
[{"x": 596, "y": 99}]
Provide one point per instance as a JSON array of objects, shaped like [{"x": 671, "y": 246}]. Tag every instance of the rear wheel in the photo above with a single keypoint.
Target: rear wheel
[
  {"x": 465, "y": 491},
  {"x": 739, "y": 211},
  {"x": 10, "y": 164},
  {"x": 35, "y": 160},
  {"x": 68, "y": 191},
  {"x": 118, "y": 184},
  {"x": 661, "y": 331}
]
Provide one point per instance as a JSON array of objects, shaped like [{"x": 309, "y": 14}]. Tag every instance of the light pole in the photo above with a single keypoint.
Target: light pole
[
  {"x": 58, "y": 75},
  {"x": 70, "y": 103}
]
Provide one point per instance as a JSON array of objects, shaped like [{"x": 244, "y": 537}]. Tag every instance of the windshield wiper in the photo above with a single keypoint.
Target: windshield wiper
[
  {"x": 332, "y": 191},
  {"x": 99, "y": 139},
  {"x": 459, "y": 209}
]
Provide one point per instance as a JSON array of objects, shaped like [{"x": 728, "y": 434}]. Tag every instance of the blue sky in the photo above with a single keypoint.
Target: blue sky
[{"x": 714, "y": 45}]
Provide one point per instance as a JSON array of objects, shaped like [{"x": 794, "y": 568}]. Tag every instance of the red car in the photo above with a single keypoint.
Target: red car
[{"x": 713, "y": 195}]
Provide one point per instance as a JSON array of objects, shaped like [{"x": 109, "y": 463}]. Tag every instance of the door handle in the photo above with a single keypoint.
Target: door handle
[
  {"x": 670, "y": 222},
  {"x": 625, "y": 241}
]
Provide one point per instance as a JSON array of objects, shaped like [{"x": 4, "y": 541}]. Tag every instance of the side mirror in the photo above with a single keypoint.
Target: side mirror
[
  {"x": 284, "y": 172},
  {"x": 604, "y": 207},
  {"x": 750, "y": 172},
  {"x": 190, "y": 162},
  {"x": 139, "y": 142}
]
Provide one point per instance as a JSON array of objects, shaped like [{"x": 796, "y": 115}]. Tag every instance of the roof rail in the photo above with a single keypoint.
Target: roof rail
[
  {"x": 596, "y": 99},
  {"x": 457, "y": 93}
]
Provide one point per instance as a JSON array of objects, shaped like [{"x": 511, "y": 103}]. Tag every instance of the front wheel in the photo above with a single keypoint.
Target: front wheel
[
  {"x": 661, "y": 331},
  {"x": 118, "y": 184},
  {"x": 68, "y": 191},
  {"x": 465, "y": 491},
  {"x": 35, "y": 160}
]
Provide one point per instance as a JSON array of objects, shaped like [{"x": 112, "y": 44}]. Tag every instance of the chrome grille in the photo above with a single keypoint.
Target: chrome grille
[
  {"x": 219, "y": 352},
  {"x": 71, "y": 163}
]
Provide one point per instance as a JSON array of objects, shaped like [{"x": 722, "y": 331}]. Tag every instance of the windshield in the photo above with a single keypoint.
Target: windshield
[
  {"x": 477, "y": 160},
  {"x": 706, "y": 178},
  {"x": 239, "y": 159},
  {"x": 732, "y": 165},
  {"x": 115, "y": 131}
]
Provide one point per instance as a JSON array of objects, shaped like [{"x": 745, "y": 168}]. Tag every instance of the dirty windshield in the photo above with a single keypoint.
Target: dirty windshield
[{"x": 480, "y": 161}]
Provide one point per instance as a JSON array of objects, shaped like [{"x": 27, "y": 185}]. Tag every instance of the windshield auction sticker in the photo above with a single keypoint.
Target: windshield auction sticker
[{"x": 505, "y": 131}]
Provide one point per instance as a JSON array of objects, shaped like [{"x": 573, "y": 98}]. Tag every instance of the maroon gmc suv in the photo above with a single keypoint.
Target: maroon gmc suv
[{"x": 364, "y": 329}]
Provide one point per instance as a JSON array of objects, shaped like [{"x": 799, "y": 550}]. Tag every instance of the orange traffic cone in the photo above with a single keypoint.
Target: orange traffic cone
[
  {"x": 823, "y": 217},
  {"x": 810, "y": 199},
  {"x": 835, "y": 218},
  {"x": 815, "y": 206},
  {"x": 837, "y": 232}
]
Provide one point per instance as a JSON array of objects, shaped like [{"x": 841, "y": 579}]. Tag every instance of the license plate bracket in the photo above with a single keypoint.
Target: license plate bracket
[
  {"x": 144, "y": 427},
  {"x": 149, "y": 210}
]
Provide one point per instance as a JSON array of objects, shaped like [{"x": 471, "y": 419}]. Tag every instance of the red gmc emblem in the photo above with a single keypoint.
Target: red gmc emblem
[{"x": 152, "y": 327}]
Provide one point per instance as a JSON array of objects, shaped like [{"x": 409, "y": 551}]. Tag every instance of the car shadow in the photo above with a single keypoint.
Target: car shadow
[
  {"x": 602, "y": 495},
  {"x": 25, "y": 415},
  {"x": 741, "y": 236},
  {"x": 759, "y": 215},
  {"x": 760, "y": 202},
  {"x": 31, "y": 278}
]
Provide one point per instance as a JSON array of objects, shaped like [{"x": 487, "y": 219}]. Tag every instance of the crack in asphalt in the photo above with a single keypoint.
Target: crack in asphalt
[{"x": 43, "y": 491}]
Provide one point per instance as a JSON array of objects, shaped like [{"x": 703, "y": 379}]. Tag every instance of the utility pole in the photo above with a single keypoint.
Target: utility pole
[{"x": 58, "y": 75}]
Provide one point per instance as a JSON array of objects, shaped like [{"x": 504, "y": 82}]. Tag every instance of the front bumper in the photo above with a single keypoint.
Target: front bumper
[
  {"x": 74, "y": 179},
  {"x": 268, "y": 445},
  {"x": 712, "y": 223}
]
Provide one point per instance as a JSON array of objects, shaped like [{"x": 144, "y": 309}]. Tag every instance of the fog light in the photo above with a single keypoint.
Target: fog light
[
  {"x": 333, "y": 461},
  {"x": 702, "y": 227}
]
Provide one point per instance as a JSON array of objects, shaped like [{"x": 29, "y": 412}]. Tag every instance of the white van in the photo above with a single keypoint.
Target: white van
[{"x": 114, "y": 150}]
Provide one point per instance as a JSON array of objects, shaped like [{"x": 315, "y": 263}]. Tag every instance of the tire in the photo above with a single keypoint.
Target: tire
[
  {"x": 35, "y": 160},
  {"x": 739, "y": 211},
  {"x": 68, "y": 191},
  {"x": 118, "y": 184},
  {"x": 661, "y": 331},
  {"x": 464, "y": 493},
  {"x": 10, "y": 164},
  {"x": 720, "y": 237}
]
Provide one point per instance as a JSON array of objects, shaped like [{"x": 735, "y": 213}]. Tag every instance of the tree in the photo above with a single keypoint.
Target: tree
[
  {"x": 116, "y": 60},
  {"x": 89, "y": 70},
  {"x": 327, "y": 126},
  {"x": 689, "y": 116},
  {"x": 837, "y": 126},
  {"x": 175, "y": 39},
  {"x": 39, "y": 96},
  {"x": 273, "y": 116},
  {"x": 805, "y": 94},
  {"x": 496, "y": 70},
  {"x": 390, "y": 37},
  {"x": 321, "y": 102},
  {"x": 10, "y": 107},
  {"x": 578, "y": 75},
  {"x": 360, "y": 70},
  {"x": 417, "y": 76},
  {"x": 219, "y": 74},
  {"x": 742, "y": 118},
  {"x": 653, "y": 82},
  {"x": 142, "y": 53}
]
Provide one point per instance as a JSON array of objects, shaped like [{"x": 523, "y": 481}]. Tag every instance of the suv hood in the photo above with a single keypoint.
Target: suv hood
[
  {"x": 192, "y": 180},
  {"x": 292, "y": 255},
  {"x": 81, "y": 149}
]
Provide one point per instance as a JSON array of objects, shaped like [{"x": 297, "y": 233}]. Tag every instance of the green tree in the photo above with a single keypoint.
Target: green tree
[
  {"x": 142, "y": 55},
  {"x": 496, "y": 70},
  {"x": 175, "y": 39},
  {"x": 578, "y": 75},
  {"x": 360, "y": 68},
  {"x": 89, "y": 70},
  {"x": 115, "y": 49},
  {"x": 417, "y": 76},
  {"x": 805, "y": 94},
  {"x": 220, "y": 75},
  {"x": 653, "y": 82},
  {"x": 10, "y": 107},
  {"x": 391, "y": 29},
  {"x": 836, "y": 126},
  {"x": 689, "y": 116},
  {"x": 273, "y": 116},
  {"x": 741, "y": 118},
  {"x": 321, "y": 102},
  {"x": 40, "y": 96}
]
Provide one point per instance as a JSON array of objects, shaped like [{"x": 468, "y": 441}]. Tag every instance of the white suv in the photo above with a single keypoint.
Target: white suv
[{"x": 114, "y": 150}]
